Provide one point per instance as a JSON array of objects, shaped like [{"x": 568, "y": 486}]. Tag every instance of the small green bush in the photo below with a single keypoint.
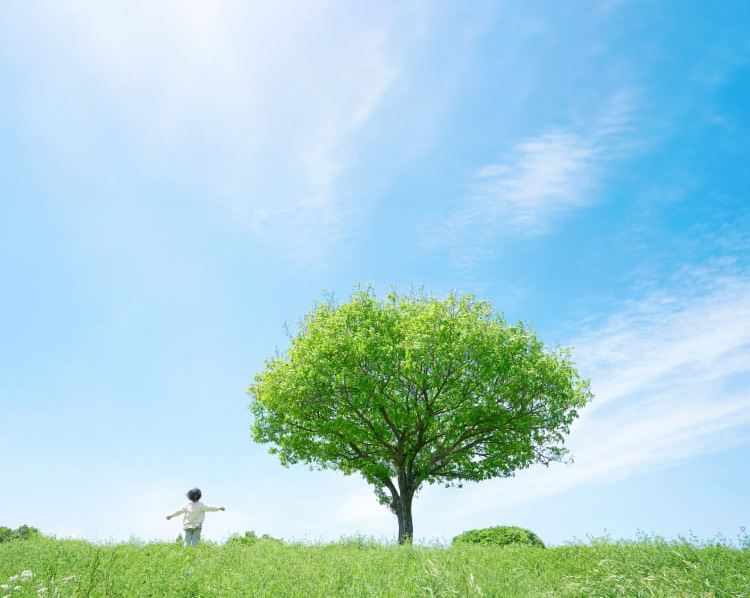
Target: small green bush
[
  {"x": 24, "y": 532},
  {"x": 251, "y": 538},
  {"x": 6, "y": 534},
  {"x": 501, "y": 535}
]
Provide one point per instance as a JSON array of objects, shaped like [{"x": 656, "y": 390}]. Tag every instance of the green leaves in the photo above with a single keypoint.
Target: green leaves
[{"x": 415, "y": 389}]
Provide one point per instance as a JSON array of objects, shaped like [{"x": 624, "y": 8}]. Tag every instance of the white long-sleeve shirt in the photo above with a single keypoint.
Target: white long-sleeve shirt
[{"x": 195, "y": 513}]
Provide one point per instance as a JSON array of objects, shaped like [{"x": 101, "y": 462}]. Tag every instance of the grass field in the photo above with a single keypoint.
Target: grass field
[{"x": 47, "y": 567}]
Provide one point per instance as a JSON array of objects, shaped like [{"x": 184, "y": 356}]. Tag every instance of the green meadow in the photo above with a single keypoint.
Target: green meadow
[{"x": 49, "y": 567}]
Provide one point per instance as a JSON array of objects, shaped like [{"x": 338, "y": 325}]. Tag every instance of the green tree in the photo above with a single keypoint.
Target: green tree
[{"x": 412, "y": 390}]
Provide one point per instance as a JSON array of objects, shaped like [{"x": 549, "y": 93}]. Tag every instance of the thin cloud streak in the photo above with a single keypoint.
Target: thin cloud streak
[
  {"x": 545, "y": 181},
  {"x": 702, "y": 333},
  {"x": 541, "y": 181}
]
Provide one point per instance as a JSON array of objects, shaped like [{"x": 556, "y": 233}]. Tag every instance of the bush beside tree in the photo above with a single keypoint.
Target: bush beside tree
[{"x": 501, "y": 535}]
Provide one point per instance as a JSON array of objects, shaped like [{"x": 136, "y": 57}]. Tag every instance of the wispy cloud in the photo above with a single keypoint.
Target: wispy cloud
[
  {"x": 255, "y": 106},
  {"x": 543, "y": 179},
  {"x": 546, "y": 178},
  {"x": 699, "y": 334}
]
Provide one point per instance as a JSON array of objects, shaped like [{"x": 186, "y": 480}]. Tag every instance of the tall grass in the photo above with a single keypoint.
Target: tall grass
[{"x": 649, "y": 567}]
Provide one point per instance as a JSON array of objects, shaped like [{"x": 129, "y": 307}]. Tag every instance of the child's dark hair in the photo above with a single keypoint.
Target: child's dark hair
[{"x": 194, "y": 494}]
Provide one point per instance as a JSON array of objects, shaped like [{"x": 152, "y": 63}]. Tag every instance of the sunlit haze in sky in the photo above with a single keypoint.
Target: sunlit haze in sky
[{"x": 179, "y": 181}]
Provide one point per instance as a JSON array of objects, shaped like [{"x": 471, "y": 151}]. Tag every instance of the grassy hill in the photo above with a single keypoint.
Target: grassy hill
[{"x": 42, "y": 566}]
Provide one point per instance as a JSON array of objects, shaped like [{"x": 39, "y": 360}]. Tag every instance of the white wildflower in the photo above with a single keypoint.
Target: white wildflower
[
  {"x": 41, "y": 590},
  {"x": 6, "y": 596},
  {"x": 27, "y": 574},
  {"x": 5, "y": 586},
  {"x": 13, "y": 578},
  {"x": 18, "y": 588}
]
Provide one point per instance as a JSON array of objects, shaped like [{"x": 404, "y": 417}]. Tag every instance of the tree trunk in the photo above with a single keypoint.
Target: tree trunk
[
  {"x": 405, "y": 522},
  {"x": 405, "y": 525}
]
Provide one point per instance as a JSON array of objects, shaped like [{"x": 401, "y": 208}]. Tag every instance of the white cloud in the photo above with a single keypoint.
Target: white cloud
[
  {"x": 542, "y": 180},
  {"x": 547, "y": 177},
  {"x": 700, "y": 334}
]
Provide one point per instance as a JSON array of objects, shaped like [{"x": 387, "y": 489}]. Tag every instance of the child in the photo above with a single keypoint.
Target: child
[{"x": 195, "y": 512}]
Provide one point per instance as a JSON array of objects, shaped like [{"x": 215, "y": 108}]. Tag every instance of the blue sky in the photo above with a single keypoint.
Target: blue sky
[{"x": 178, "y": 180}]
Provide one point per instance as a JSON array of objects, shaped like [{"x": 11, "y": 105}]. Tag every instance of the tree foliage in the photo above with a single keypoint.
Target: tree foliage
[{"x": 412, "y": 390}]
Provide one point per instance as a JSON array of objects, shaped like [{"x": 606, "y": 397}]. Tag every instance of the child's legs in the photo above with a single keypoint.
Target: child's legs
[{"x": 192, "y": 536}]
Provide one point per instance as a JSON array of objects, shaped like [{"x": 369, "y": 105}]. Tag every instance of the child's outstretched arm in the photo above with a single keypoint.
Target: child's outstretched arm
[{"x": 180, "y": 512}]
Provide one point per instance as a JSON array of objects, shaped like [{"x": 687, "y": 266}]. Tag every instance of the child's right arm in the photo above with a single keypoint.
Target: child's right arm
[{"x": 180, "y": 512}]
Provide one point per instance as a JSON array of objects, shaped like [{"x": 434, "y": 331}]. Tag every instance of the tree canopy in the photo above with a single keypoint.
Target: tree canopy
[{"x": 414, "y": 389}]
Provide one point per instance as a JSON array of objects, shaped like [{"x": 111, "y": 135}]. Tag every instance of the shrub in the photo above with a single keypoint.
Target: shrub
[
  {"x": 501, "y": 535},
  {"x": 24, "y": 532},
  {"x": 6, "y": 534},
  {"x": 250, "y": 538}
]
